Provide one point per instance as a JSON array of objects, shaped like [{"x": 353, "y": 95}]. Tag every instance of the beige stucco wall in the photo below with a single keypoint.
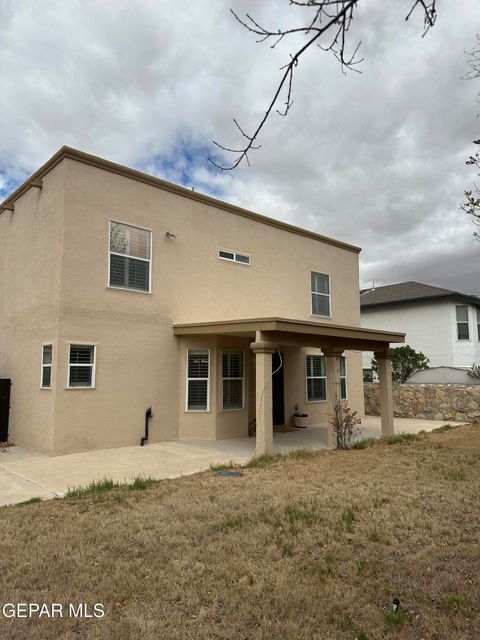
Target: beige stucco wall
[
  {"x": 216, "y": 422},
  {"x": 296, "y": 388},
  {"x": 30, "y": 276},
  {"x": 139, "y": 361}
]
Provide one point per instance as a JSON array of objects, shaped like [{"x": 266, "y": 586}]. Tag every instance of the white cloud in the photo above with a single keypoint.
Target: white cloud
[{"x": 376, "y": 159}]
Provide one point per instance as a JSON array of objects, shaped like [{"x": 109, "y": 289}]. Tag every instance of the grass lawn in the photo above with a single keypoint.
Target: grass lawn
[{"x": 315, "y": 545}]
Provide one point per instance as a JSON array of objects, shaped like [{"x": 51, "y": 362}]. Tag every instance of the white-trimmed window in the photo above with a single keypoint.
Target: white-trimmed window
[
  {"x": 478, "y": 322},
  {"x": 47, "y": 359},
  {"x": 233, "y": 256},
  {"x": 130, "y": 257},
  {"x": 198, "y": 371},
  {"x": 461, "y": 311},
  {"x": 343, "y": 378},
  {"x": 316, "y": 379},
  {"x": 81, "y": 366},
  {"x": 233, "y": 377},
  {"x": 320, "y": 292}
]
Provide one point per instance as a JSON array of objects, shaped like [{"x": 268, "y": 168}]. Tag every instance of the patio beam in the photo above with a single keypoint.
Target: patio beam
[
  {"x": 384, "y": 359},
  {"x": 321, "y": 342}
]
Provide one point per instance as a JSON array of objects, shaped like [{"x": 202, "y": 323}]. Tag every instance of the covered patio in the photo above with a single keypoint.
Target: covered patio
[{"x": 267, "y": 336}]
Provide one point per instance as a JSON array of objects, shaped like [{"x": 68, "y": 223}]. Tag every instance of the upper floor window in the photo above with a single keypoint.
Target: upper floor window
[
  {"x": 232, "y": 374},
  {"x": 462, "y": 322},
  {"x": 478, "y": 322},
  {"x": 47, "y": 355},
  {"x": 320, "y": 292},
  {"x": 316, "y": 379},
  {"x": 225, "y": 254},
  {"x": 130, "y": 257}
]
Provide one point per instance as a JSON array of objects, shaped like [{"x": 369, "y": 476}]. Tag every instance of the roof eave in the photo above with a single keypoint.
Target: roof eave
[{"x": 441, "y": 297}]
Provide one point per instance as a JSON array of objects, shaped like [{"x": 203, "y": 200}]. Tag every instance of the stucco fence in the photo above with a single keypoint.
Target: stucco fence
[{"x": 456, "y": 402}]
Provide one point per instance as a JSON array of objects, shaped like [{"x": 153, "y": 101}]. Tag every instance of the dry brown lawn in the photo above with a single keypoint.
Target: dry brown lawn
[{"x": 307, "y": 547}]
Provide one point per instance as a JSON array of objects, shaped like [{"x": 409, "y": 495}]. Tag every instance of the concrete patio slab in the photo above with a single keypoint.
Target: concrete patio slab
[
  {"x": 15, "y": 488},
  {"x": 26, "y": 474}
]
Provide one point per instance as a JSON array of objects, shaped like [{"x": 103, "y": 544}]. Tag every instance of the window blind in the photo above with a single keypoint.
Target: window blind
[
  {"x": 343, "y": 378},
  {"x": 129, "y": 257},
  {"x": 197, "y": 379},
  {"x": 320, "y": 292},
  {"x": 232, "y": 374},
  {"x": 81, "y": 364},
  {"x": 316, "y": 378}
]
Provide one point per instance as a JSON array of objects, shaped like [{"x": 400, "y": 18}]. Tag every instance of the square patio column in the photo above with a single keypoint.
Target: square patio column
[
  {"x": 332, "y": 365},
  {"x": 384, "y": 359},
  {"x": 263, "y": 396}
]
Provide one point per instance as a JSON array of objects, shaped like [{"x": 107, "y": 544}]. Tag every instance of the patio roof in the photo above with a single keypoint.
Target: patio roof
[{"x": 296, "y": 333}]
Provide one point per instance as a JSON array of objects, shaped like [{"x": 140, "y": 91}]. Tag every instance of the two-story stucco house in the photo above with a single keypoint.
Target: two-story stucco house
[
  {"x": 441, "y": 323},
  {"x": 120, "y": 291}
]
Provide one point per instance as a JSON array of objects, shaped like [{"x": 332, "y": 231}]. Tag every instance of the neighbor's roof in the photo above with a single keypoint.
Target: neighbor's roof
[
  {"x": 410, "y": 292},
  {"x": 106, "y": 165}
]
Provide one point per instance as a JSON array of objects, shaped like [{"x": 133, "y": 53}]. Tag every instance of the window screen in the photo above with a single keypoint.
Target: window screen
[
  {"x": 81, "y": 363},
  {"x": 197, "y": 379},
  {"x": 462, "y": 322},
  {"x": 130, "y": 259},
  {"x": 316, "y": 379},
  {"x": 225, "y": 254},
  {"x": 47, "y": 359},
  {"x": 343, "y": 378},
  {"x": 320, "y": 292},
  {"x": 232, "y": 371}
]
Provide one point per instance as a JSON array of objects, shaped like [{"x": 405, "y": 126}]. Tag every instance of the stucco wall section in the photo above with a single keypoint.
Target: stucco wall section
[
  {"x": 296, "y": 387},
  {"x": 30, "y": 275},
  {"x": 455, "y": 402},
  {"x": 189, "y": 282}
]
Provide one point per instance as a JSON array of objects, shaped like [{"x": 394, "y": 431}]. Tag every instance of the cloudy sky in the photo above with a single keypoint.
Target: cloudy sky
[{"x": 376, "y": 159}]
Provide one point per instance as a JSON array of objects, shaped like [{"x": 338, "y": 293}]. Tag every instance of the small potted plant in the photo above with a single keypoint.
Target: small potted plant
[{"x": 299, "y": 418}]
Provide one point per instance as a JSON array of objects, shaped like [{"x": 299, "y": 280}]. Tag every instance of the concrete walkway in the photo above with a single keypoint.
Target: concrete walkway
[
  {"x": 372, "y": 428},
  {"x": 25, "y": 474}
]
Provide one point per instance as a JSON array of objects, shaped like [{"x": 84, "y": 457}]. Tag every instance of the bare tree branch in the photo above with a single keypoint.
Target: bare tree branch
[
  {"x": 429, "y": 14},
  {"x": 329, "y": 16},
  {"x": 471, "y": 206},
  {"x": 474, "y": 62}
]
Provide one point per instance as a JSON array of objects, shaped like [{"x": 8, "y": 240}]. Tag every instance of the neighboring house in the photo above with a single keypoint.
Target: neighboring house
[
  {"x": 443, "y": 375},
  {"x": 120, "y": 291},
  {"x": 441, "y": 323}
]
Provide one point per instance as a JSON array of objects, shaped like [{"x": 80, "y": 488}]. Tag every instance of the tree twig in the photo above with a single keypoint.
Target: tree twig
[{"x": 328, "y": 14}]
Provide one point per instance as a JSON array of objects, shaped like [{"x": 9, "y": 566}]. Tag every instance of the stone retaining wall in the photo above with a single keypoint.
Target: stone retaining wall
[{"x": 456, "y": 402}]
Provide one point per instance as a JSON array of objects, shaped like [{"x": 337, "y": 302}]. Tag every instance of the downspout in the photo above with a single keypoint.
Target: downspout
[{"x": 148, "y": 415}]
